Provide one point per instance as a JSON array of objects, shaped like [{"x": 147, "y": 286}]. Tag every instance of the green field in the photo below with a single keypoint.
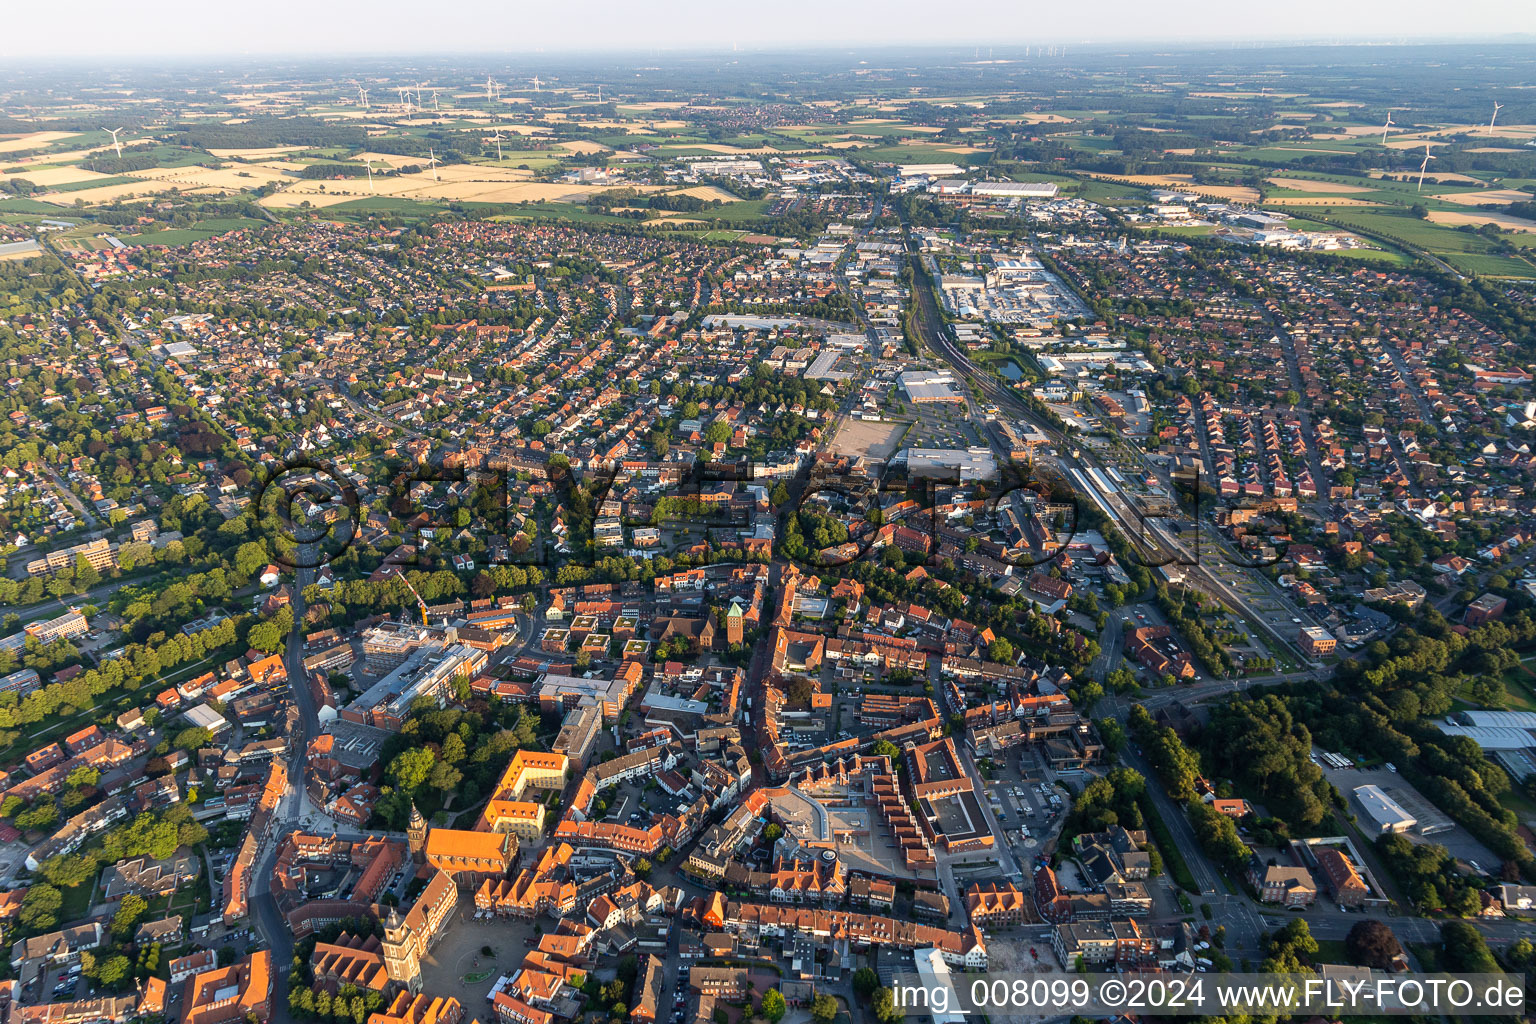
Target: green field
[
  {"x": 17, "y": 204},
  {"x": 183, "y": 236},
  {"x": 1109, "y": 193},
  {"x": 576, "y": 212},
  {"x": 921, "y": 155},
  {"x": 76, "y": 186},
  {"x": 732, "y": 213},
  {"x": 1467, "y": 251},
  {"x": 382, "y": 204}
]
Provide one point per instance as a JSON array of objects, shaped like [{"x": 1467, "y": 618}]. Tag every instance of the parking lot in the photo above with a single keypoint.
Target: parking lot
[
  {"x": 942, "y": 425},
  {"x": 1440, "y": 829},
  {"x": 1022, "y": 800}
]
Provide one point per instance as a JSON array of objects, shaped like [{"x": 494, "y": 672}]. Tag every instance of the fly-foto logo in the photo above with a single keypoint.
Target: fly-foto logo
[
  {"x": 308, "y": 511},
  {"x": 1015, "y": 517}
]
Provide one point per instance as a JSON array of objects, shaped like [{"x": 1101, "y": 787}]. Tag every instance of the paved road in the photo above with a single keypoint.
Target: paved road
[{"x": 269, "y": 923}]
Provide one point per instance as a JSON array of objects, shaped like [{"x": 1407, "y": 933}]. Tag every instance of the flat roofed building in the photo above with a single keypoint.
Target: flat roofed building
[
  {"x": 924, "y": 386},
  {"x": 1387, "y": 813},
  {"x": 961, "y": 465},
  {"x": 1317, "y": 642}
]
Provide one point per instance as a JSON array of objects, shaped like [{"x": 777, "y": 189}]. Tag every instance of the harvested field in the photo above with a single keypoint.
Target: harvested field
[
  {"x": 1503, "y": 220},
  {"x": 1236, "y": 193},
  {"x": 48, "y": 177},
  {"x": 388, "y": 159},
  {"x": 707, "y": 192},
  {"x": 292, "y": 200},
  {"x": 254, "y": 154},
  {"x": 1445, "y": 178},
  {"x": 1495, "y": 197},
  {"x": 1412, "y": 142},
  {"x": 583, "y": 146},
  {"x": 421, "y": 186},
  {"x": 32, "y": 140},
  {"x": 111, "y": 193},
  {"x": 235, "y": 178},
  {"x": 1308, "y": 185}
]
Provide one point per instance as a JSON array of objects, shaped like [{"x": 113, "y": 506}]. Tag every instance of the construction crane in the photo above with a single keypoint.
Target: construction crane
[{"x": 417, "y": 596}]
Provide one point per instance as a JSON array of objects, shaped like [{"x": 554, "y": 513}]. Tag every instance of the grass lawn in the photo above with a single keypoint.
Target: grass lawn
[
  {"x": 110, "y": 704},
  {"x": 1331, "y": 951},
  {"x": 1520, "y": 688},
  {"x": 730, "y": 213},
  {"x": 1521, "y": 804},
  {"x": 77, "y": 901},
  {"x": 1173, "y": 860}
]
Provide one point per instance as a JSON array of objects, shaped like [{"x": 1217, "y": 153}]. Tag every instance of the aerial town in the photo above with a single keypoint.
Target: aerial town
[{"x": 546, "y": 543}]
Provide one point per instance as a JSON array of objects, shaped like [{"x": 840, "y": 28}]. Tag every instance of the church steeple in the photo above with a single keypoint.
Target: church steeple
[{"x": 416, "y": 834}]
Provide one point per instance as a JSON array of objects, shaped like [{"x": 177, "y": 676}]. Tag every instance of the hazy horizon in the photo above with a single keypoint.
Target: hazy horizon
[{"x": 183, "y": 30}]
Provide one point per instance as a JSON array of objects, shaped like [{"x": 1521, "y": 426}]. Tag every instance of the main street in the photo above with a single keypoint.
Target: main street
[{"x": 269, "y": 922}]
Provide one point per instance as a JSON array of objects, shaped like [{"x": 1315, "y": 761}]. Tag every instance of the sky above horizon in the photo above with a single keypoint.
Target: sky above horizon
[{"x": 186, "y": 29}]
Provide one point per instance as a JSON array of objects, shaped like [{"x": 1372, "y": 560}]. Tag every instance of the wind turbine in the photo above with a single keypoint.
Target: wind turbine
[
  {"x": 488, "y": 84},
  {"x": 116, "y": 145},
  {"x": 369, "y": 164},
  {"x": 400, "y": 91},
  {"x": 1385, "y": 127},
  {"x": 432, "y": 162},
  {"x": 1428, "y": 156},
  {"x": 1497, "y": 106},
  {"x": 497, "y": 138},
  {"x": 535, "y": 81},
  {"x": 418, "y": 94},
  {"x": 434, "y": 101},
  {"x": 362, "y": 97}
]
